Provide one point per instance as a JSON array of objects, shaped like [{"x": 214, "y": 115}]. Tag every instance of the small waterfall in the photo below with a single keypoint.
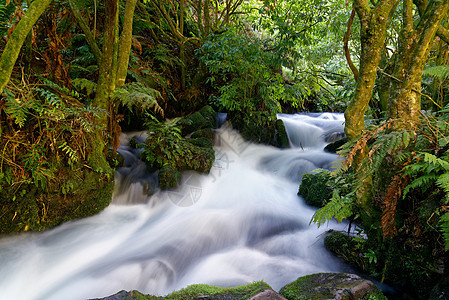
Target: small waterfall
[
  {"x": 312, "y": 131},
  {"x": 242, "y": 222}
]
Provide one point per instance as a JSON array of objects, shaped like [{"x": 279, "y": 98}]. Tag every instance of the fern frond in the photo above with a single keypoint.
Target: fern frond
[
  {"x": 338, "y": 207},
  {"x": 444, "y": 226},
  {"x": 443, "y": 182},
  {"x": 440, "y": 72},
  {"x": 84, "y": 85},
  {"x": 136, "y": 94},
  {"x": 423, "y": 182}
]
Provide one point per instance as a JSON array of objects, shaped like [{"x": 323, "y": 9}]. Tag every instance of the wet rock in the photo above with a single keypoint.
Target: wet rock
[
  {"x": 334, "y": 146},
  {"x": 339, "y": 286},
  {"x": 204, "y": 118},
  {"x": 282, "y": 137}
]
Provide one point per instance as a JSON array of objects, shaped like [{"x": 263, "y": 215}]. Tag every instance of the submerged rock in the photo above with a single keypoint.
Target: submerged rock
[{"x": 340, "y": 286}]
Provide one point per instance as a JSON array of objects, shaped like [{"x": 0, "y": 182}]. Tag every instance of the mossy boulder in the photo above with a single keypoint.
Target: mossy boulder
[
  {"x": 201, "y": 291},
  {"x": 314, "y": 188},
  {"x": 168, "y": 177},
  {"x": 207, "y": 133},
  {"x": 204, "y": 118},
  {"x": 331, "y": 286},
  {"x": 352, "y": 249},
  {"x": 334, "y": 146},
  {"x": 29, "y": 207},
  {"x": 281, "y": 133}
]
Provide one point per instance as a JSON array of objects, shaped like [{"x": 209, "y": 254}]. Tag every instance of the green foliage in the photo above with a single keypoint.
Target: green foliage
[
  {"x": 84, "y": 85},
  {"x": 314, "y": 188},
  {"x": 165, "y": 146},
  {"x": 243, "y": 75},
  {"x": 440, "y": 72},
  {"x": 136, "y": 94},
  {"x": 338, "y": 207}
]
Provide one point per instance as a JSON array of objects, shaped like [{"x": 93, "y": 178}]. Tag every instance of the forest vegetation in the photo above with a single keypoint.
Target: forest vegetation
[{"x": 74, "y": 74}]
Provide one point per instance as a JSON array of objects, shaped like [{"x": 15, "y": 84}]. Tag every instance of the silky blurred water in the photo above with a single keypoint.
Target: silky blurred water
[{"x": 241, "y": 223}]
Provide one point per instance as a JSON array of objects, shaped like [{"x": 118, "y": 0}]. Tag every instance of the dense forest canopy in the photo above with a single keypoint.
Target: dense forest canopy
[{"x": 74, "y": 74}]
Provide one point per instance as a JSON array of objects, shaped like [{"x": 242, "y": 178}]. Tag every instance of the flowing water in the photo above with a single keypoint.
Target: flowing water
[{"x": 241, "y": 223}]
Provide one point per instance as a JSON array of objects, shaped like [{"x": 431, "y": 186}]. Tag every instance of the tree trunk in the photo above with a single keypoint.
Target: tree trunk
[
  {"x": 372, "y": 35},
  {"x": 125, "y": 43},
  {"x": 17, "y": 38},
  {"x": 105, "y": 72},
  {"x": 405, "y": 95}
]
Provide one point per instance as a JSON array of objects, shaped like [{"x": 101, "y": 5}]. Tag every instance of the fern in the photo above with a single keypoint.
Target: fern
[
  {"x": 135, "y": 94},
  {"x": 87, "y": 86},
  {"x": 338, "y": 207},
  {"x": 444, "y": 226},
  {"x": 18, "y": 109},
  {"x": 440, "y": 72}
]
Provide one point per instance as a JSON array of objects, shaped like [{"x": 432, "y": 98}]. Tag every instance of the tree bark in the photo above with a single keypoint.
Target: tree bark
[
  {"x": 125, "y": 43},
  {"x": 17, "y": 38},
  {"x": 105, "y": 72},
  {"x": 405, "y": 96},
  {"x": 372, "y": 35},
  {"x": 346, "y": 47}
]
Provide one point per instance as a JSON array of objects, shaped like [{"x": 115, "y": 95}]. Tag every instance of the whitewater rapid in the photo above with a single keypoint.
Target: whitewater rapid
[{"x": 241, "y": 223}]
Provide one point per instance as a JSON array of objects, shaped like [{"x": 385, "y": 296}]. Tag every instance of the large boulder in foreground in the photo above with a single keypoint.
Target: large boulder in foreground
[{"x": 339, "y": 286}]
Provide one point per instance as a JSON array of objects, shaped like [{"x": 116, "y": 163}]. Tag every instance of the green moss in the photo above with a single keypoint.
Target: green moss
[
  {"x": 201, "y": 142},
  {"x": 204, "y": 118},
  {"x": 197, "y": 291},
  {"x": 334, "y": 146},
  {"x": 204, "y": 133},
  {"x": 282, "y": 136},
  {"x": 76, "y": 195},
  {"x": 200, "y": 291},
  {"x": 314, "y": 188},
  {"x": 168, "y": 177}
]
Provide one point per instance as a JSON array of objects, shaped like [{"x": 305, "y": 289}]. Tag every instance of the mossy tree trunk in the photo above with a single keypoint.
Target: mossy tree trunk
[
  {"x": 104, "y": 83},
  {"x": 415, "y": 43},
  {"x": 125, "y": 43},
  {"x": 373, "y": 23},
  {"x": 17, "y": 38}
]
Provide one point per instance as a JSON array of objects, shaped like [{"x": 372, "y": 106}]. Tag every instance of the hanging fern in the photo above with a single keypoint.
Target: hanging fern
[
  {"x": 338, "y": 207},
  {"x": 135, "y": 94}
]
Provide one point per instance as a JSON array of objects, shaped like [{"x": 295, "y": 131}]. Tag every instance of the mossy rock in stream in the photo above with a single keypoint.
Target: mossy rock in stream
[
  {"x": 342, "y": 286},
  {"x": 200, "y": 291},
  {"x": 168, "y": 177},
  {"x": 204, "y": 118},
  {"x": 281, "y": 133},
  {"x": 28, "y": 207},
  {"x": 314, "y": 188}
]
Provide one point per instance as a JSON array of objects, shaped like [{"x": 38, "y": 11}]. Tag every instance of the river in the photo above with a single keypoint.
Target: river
[{"x": 241, "y": 223}]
